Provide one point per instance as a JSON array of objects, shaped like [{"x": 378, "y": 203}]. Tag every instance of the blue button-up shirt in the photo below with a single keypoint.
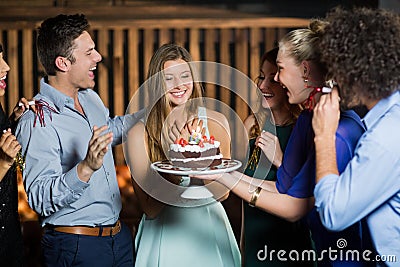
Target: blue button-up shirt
[
  {"x": 370, "y": 185},
  {"x": 54, "y": 149}
]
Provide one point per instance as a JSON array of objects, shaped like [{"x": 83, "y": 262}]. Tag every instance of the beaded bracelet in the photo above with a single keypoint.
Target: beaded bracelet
[{"x": 254, "y": 197}]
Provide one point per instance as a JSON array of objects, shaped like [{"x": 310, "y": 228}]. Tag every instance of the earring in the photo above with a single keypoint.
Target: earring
[{"x": 305, "y": 80}]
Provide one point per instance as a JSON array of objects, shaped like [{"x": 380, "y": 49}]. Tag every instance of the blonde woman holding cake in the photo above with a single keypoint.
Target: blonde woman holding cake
[{"x": 175, "y": 233}]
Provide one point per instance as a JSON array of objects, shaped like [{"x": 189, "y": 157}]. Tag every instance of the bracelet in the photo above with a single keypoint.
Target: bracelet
[{"x": 254, "y": 197}]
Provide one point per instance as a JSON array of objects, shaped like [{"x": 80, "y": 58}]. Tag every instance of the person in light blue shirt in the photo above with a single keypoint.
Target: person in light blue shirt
[
  {"x": 362, "y": 52},
  {"x": 69, "y": 173}
]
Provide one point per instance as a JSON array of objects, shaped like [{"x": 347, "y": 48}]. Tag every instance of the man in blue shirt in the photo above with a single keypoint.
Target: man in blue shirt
[
  {"x": 69, "y": 175},
  {"x": 362, "y": 51}
]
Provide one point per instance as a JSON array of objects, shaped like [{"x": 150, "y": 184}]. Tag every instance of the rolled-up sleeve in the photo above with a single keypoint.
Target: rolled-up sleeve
[{"x": 366, "y": 183}]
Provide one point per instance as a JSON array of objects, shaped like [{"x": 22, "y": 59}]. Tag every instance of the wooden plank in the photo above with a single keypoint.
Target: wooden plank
[
  {"x": 194, "y": 44},
  {"x": 27, "y": 59},
  {"x": 12, "y": 77},
  {"x": 241, "y": 56},
  {"x": 133, "y": 66},
  {"x": 255, "y": 40},
  {"x": 148, "y": 48},
  {"x": 254, "y": 52},
  {"x": 149, "y": 15},
  {"x": 102, "y": 43},
  {"x": 118, "y": 90},
  {"x": 148, "y": 42},
  {"x": 179, "y": 36},
  {"x": 281, "y": 33},
  {"x": 118, "y": 72},
  {"x": 164, "y": 36},
  {"x": 270, "y": 38},
  {"x": 210, "y": 76},
  {"x": 225, "y": 58}
]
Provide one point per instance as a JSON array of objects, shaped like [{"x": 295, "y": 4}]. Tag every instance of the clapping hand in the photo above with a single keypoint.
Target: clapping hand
[{"x": 98, "y": 147}]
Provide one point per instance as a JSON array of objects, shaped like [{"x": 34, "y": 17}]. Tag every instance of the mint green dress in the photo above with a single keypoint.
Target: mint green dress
[
  {"x": 187, "y": 236},
  {"x": 191, "y": 236}
]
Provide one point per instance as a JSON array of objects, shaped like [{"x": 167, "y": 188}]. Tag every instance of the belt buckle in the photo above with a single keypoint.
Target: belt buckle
[{"x": 115, "y": 229}]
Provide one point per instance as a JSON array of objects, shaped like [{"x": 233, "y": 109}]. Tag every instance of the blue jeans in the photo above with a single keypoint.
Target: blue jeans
[{"x": 62, "y": 250}]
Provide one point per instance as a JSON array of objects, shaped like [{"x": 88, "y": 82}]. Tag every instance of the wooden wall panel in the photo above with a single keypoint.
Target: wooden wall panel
[
  {"x": 225, "y": 58},
  {"x": 127, "y": 47},
  {"x": 118, "y": 86},
  {"x": 27, "y": 64},
  {"x": 102, "y": 86},
  {"x": 242, "y": 61},
  {"x": 133, "y": 67},
  {"x": 12, "y": 92},
  {"x": 194, "y": 40}
]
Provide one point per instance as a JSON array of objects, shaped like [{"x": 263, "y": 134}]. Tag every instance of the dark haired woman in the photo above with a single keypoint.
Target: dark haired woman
[
  {"x": 10, "y": 230},
  {"x": 262, "y": 230}
]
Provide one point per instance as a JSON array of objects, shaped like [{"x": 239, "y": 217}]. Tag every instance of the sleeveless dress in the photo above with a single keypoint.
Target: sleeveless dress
[
  {"x": 187, "y": 236},
  {"x": 267, "y": 232}
]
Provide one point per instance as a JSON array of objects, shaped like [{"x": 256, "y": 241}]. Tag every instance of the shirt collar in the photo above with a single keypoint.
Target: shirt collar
[
  {"x": 381, "y": 108},
  {"x": 59, "y": 99}
]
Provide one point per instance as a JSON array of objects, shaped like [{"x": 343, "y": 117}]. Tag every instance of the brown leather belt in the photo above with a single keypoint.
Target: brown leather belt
[{"x": 87, "y": 230}]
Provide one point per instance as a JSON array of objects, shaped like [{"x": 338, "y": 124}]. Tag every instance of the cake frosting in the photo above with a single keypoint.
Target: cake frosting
[{"x": 196, "y": 152}]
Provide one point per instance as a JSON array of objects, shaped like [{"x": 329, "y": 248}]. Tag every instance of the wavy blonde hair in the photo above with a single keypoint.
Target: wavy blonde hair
[{"x": 157, "y": 90}]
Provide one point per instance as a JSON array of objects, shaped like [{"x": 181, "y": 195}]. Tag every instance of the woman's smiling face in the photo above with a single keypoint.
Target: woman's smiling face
[
  {"x": 178, "y": 80},
  {"x": 290, "y": 75},
  {"x": 273, "y": 93},
  {"x": 4, "y": 68}
]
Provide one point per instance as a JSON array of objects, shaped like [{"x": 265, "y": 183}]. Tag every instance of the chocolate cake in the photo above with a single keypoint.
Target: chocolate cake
[{"x": 196, "y": 152}]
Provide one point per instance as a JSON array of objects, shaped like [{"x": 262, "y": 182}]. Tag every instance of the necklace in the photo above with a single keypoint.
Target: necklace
[{"x": 286, "y": 122}]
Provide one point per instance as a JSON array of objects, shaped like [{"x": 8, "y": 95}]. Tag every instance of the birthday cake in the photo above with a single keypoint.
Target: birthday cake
[{"x": 196, "y": 152}]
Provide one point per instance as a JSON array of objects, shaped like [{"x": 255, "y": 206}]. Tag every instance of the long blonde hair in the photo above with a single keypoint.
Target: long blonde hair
[{"x": 157, "y": 94}]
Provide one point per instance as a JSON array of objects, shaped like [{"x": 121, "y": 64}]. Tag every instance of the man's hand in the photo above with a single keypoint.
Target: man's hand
[
  {"x": 325, "y": 123},
  {"x": 98, "y": 147},
  {"x": 326, "y": 115}
]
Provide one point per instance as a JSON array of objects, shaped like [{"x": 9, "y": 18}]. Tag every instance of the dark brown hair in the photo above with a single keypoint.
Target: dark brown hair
[
  {"x": 56, "y": 38},
  {"x": 361, "y": 48}
]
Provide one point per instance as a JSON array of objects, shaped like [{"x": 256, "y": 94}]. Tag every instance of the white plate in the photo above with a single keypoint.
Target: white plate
[{"x": 227, "y": 165}]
